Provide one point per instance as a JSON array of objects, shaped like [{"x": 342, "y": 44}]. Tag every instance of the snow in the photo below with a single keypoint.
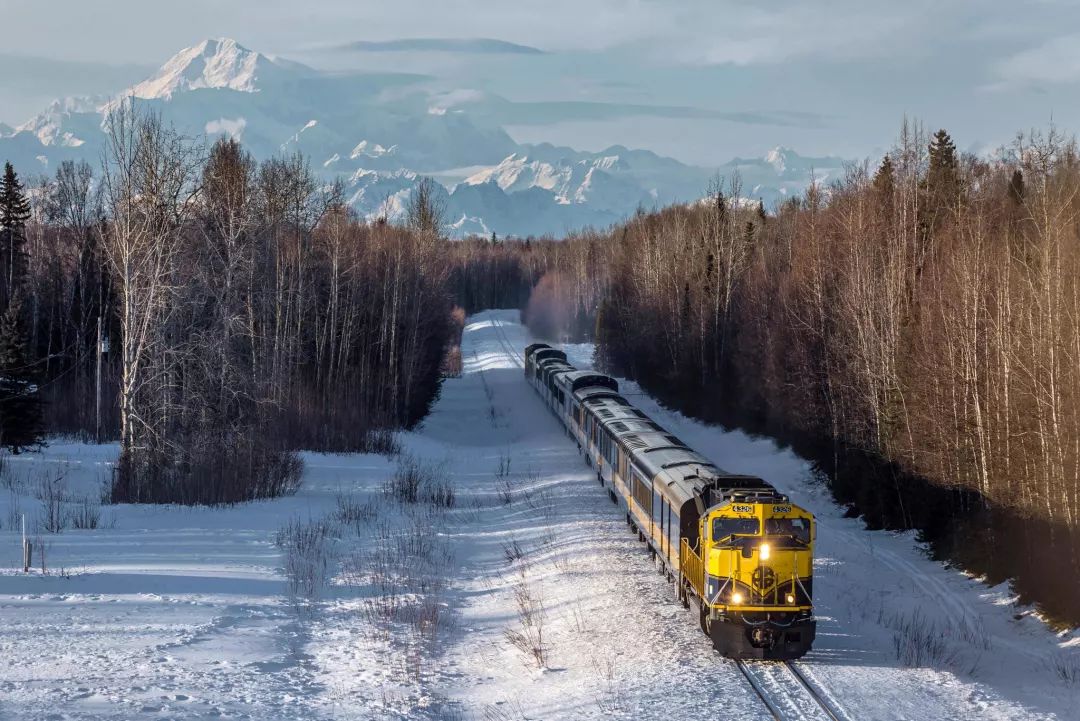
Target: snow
[
  {"x": 182, "y": 613},
  {"x": 778, "y": 158},
  {"x": 49, "y": 126},
  {"x": 220, "y": 63},
  {"x": 570, "y": 181},
  {"x": 467, "y": 226},
  {"x": 370, "y": 150}
]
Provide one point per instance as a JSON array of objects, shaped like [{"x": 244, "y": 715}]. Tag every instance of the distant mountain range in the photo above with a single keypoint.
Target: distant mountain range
[{"x": 380, "y": 133}]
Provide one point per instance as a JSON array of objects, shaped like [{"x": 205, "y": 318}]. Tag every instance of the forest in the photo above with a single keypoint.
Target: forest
[
  {"x": 213, "y": 314},
  {"x": 924, "y": 311}
]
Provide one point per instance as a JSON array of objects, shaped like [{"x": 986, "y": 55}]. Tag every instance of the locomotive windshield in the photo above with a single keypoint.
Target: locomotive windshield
[
  {"x": 724, "y": 527},
  {"x": 796, "y": 528}
]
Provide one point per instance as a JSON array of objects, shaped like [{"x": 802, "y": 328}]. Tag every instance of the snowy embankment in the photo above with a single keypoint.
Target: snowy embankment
[{"x": 527, "y": 599}]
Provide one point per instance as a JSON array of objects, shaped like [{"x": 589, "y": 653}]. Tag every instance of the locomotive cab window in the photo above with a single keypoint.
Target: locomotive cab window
[
  {"x": 795, "y": 528},
  {"x": 724, "y": 527}
]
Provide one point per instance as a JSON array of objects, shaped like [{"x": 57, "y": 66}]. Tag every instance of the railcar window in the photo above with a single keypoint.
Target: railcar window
[
  {"x": 673, "y": 529},
  {"x": 724, "y": 527},
  {"x": 797, "y": 528}
]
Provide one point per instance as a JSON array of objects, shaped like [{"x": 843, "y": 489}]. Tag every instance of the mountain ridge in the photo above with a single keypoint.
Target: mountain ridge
[{"x": 374, "y": 131}]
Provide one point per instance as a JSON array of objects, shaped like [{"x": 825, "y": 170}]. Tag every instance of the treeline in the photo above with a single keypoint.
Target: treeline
[
  {"x": 250, "y": 313},
  {"x": 925, "y": 312}
]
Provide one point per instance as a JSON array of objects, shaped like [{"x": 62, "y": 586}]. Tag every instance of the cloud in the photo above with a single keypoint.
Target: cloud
[
  {"x": 1057, "y": 61},
  {"x": 540, "y": 113},
  {"x": 233, "y": 127},
  {"x": 480, "y": 46},
  {"x": 783, "y": 30}
]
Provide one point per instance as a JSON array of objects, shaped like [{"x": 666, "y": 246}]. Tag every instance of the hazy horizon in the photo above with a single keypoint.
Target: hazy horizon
[{"x": 833, "y": 80}]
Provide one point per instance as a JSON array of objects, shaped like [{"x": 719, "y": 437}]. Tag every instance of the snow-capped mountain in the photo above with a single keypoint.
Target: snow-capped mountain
[
  {"x": 379, "y": 132},
  {"x": 570, "y": 181},
  {"x": 220, "y": 63},
  {"x": 781, "y": 174}
]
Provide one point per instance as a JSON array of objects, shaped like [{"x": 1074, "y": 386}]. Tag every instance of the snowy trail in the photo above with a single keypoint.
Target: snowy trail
[{"x": 176, "y": 613}]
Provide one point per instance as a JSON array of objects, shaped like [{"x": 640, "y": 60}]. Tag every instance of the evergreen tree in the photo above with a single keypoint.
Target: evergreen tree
[
  {"x": 943, "y": 175},
  {"x": 685, "y": 312},
  {"x": 14, "y": 213},
  {"x": 885, "y": 177},
  {"x": 1016, "y": 187},
  {"x": 721, "y": 205},
  {"x": 20, "y": 401},
  {"x": 885, "y": 186},
  {"x": 762, "y": 215}
]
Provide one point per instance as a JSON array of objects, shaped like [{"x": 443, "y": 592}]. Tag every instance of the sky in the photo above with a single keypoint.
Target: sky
[{"x": 831, "y": 77}]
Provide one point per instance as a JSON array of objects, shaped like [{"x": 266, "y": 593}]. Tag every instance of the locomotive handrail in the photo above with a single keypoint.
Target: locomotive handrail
[{"x": 693, "y": 567}]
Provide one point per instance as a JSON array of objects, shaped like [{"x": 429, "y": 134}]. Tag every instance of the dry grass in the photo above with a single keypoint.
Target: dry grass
[
  {"x": 1065, "y": 666},
  {"x": 309, "y": 557},
  {"x": 51, "y": 489},
  {"x": 417, "y": 481},
  {"x": 528, "y": 636},
  {"x": 609, "y": 693}
]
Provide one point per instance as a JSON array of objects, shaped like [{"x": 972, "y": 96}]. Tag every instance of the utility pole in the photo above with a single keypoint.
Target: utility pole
[
  {"x": 28, "y": 555},
  {"x": 97, "y": 425}
]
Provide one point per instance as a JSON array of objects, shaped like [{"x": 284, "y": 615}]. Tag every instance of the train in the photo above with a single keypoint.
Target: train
[{"x": 732, "y": 545}]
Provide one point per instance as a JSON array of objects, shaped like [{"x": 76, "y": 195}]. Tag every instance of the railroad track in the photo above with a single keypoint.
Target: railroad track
[
  {"x": 787, "y": 693},
  {"x": 504, "y": 341}
]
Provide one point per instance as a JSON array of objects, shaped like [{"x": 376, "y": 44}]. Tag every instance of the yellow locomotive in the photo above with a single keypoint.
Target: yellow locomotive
[{"x": 732, "y": 544}]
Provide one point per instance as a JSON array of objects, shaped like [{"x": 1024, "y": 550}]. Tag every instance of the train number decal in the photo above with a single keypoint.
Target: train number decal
[
  {"x": 742, "y": 509},
  {"x": 781, "y": 509}
]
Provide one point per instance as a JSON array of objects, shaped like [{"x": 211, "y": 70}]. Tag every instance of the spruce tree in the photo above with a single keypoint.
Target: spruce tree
[
  {"x": 14, "y": 213},
  {"x": 885, "y": 186},
  {"x": 685, "y": 312},
  {"x": 885, "y": 178},
  {"x": 20, "y": 395},
  {"x": 1016, "y": 187},
  {"x": 943, "y": 175}
]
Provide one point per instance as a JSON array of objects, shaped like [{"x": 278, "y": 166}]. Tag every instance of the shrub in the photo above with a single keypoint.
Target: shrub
[
  {"x": 52, "y": 491},
  {"x": 350, "y": 511},
  {"x": 382, "y": 441},
  {"x": 919, "y": 642},
  {"x": 86, "y": 515},
  {"x": 222, "y": 470},
  {"x": 528, "y": 636},
  {"x": 308, "y": 549},
  {"x": 1066, "y": 666},
  {"x": 440, "y": 493},
  {"x": 416, "y": 482}
]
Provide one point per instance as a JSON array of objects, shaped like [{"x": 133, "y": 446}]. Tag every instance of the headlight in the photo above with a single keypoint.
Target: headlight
[
  {"x": 765, "y": 550},
  {"x": 791, "y": 599},
  {"x": 737, "y": 598}
]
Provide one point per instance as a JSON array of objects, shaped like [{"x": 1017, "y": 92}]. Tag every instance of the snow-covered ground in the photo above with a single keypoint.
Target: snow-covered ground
[{"x": 180, "y": 613}]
